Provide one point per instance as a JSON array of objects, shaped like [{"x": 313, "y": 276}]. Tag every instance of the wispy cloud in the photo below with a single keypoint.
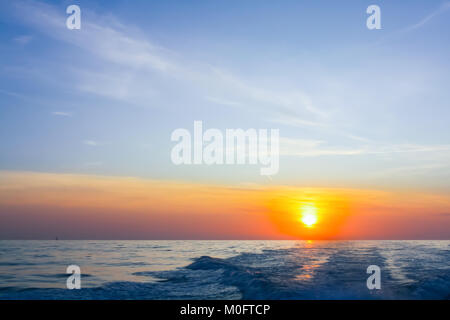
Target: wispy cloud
[
  {"x": 62, "y": 114},
  {"x": 140, "y": 61},
  {"x": 443, "y": 8},
  {"x": 314, "y": 148},
  {"x": 126, "y": 65},
  {"x": 421, "y": 23},
  {"x": 91, "y": 143},
  {"x": 23, "y": 40},
  {"x": 296, "y": 122},
  {"x": 13, "y": 94},
  {"x": 409, "y": 170},
  {"x": 224, "y": 102}
]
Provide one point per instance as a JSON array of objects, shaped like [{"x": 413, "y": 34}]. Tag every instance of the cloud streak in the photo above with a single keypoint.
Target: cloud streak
[
  {"x": 314, "y": 148},
  {"x": 62, "y": 114},
  {"x": 23, "y": 40},
  {"x": 138, "y": 60},
  {"x": 91, "y": 143},
  {"x": 443, "y": 8}
]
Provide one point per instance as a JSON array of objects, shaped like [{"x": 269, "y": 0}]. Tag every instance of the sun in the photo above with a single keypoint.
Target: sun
[{"x": 308, "y": 215}]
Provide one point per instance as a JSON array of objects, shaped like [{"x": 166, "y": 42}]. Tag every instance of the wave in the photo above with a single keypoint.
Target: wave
[{"x": 295, "y": 273}]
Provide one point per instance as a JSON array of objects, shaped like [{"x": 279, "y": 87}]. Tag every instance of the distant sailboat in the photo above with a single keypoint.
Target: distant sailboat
[{"x": 56, "y": 238}]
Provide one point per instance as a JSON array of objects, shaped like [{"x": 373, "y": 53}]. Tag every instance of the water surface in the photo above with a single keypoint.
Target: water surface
[{"x": 224, "y": 269}]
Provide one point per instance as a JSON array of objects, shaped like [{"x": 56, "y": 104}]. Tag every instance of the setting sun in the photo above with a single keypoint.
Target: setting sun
[{"x": 309, "y": 215}]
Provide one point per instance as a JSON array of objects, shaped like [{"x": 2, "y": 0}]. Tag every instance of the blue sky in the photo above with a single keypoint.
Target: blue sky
[{"x": 355, "y": 107}]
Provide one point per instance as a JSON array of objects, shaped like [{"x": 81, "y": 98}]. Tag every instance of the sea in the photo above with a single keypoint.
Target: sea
[{"x": 200, "y": 269}]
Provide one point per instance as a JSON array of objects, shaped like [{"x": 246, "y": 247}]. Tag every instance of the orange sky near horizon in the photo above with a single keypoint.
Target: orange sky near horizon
[{"x": 70, "y": 206}]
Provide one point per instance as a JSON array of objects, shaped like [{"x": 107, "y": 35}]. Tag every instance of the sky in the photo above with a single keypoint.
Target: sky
[{"x": 86, "y": 118}]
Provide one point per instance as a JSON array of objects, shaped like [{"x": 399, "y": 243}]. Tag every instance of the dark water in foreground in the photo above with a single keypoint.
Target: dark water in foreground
[{"x": 225, "y": 269}]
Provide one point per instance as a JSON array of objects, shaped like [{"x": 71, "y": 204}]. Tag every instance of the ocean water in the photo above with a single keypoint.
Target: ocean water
[{"x": 225, "y": 269}]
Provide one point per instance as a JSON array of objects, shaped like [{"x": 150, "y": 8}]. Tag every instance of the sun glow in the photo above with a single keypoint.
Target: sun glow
[{"x": 309, "y": 215}]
